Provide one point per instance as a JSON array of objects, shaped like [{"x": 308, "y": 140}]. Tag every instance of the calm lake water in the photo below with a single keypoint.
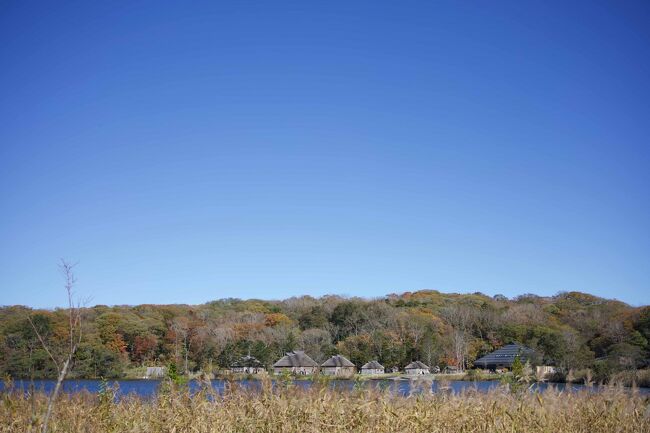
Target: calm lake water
[{"x": 148, "y": 388}]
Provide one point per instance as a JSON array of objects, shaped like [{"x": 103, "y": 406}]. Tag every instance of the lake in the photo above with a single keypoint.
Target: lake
[{"x": 148, "y": 388}]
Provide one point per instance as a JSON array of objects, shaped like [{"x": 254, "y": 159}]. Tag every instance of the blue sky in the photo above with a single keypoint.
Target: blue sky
[{"x": 269, "y": 149}]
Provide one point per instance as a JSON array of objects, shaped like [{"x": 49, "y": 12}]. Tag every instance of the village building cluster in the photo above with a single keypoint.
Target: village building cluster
[{"x": 297, "y": 362}]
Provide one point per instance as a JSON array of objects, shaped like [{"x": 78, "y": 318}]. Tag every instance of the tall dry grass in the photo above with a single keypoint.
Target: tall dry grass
[{"x": 289, "y": 410}]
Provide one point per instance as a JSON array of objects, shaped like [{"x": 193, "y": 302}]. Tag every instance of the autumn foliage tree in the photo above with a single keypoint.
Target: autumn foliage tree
[{"x": 570, "y": 330}]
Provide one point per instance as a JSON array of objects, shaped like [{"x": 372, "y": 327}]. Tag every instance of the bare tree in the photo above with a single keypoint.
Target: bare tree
[
  {"x": 181, "y": 327},
  {"x": 460, "y": 319},
  {"x": 459, "y": 346},
  {"x": 64, "y": 362},
  {"x": 313, "y": 341},
  {"x": 430, "y": 348}
]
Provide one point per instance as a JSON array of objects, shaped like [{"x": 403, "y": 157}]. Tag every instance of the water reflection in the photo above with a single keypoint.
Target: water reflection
[{"x": 149, "y": 388}]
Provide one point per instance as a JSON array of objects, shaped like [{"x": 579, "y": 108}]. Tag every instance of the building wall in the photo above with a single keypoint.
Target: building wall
[
  {"x": 372, "y": 371},
  {"x": 154, "y": 372},
  {"x": 338, "y": 371},
  {"x": 295, "y": 370},
  {"x": 416, "y": 371},
  {"x": 247, "y": 370},
  {"x": 545, "y": 370}
]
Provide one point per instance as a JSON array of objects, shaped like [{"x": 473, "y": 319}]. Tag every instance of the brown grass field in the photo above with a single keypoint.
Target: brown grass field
[{"x": 292, "y": 410}]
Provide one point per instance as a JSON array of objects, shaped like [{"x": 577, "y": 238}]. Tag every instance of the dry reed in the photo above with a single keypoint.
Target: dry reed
[{"x": 320, "y": 409}]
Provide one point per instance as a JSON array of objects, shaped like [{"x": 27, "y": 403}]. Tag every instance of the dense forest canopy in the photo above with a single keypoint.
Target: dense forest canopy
[{"x": 570, "y": 330}]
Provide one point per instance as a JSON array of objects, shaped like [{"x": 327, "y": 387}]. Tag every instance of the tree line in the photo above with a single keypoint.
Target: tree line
[{"x": 571, "y": 330}]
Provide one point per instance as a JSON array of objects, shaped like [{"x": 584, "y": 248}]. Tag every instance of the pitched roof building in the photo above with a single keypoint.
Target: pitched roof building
[
  {"x": 338, "y": 365},
  {"x": 504, "y": 357},
  {"x": 372, "y": 367},
  {"x": 417, "y": 367},
  {"x": 297, "y": 362}
]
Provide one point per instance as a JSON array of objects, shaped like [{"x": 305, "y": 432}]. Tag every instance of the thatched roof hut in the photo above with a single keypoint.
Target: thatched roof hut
[
  {"x": 296, "y": 362},
  {"x": 337, "y": 361},
  {"x": 338, "y": 365},
  {"x": 372, "y": 367},
  {"x": 417, "y": 367}
]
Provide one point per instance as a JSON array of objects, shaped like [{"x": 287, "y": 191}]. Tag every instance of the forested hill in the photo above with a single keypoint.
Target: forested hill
[{"x": 570, "y": 330}]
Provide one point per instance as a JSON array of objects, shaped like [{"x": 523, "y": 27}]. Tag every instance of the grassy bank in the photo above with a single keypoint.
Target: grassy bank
[{"x": 292, "y": 409}]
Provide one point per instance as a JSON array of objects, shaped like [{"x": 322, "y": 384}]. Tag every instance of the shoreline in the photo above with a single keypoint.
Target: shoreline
[{"x": 402, "y": 378}]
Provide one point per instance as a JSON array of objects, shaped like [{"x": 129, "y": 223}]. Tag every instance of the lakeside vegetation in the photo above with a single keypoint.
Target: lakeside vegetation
[
  {"x": 586, "y": 337},
  {"x": 290, "y": 409}
]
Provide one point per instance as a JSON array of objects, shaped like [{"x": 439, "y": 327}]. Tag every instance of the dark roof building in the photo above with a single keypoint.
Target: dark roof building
[
  {"x": 297, "y": 358},
  {"x": 417, "y": 367},
  {"x": 296, "y": 362},
  {"x": 416, "y": 364},
  {"x": 337, "y": 361},
  {"x": 372, "y": 365},
  {"x": 504, "y": 357},
  {"x": 338, "y": 365}
]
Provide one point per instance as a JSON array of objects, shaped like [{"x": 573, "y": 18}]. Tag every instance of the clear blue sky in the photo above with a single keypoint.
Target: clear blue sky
[{"x": 270, "y": 149}]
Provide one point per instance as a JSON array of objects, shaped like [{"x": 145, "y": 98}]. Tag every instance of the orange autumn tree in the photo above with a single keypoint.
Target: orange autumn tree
[{"x": 277, "y": 319}]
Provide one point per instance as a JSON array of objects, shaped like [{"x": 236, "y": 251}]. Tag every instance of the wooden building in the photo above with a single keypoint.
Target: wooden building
[
  {"x": 372, "y": 367},
  {"x": 417, "y": 367},
  {"x": 338, "y": 365},
  {"x": 296, "y": 362}
]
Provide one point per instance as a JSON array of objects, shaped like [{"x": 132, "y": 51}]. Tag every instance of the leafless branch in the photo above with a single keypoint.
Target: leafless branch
[
  {"x": 70, "y": 280},
  {"x": 75, "y": 330}
]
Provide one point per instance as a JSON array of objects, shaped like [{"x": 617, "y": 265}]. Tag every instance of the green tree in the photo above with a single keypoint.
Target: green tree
[{"x": 517, "y": 367}]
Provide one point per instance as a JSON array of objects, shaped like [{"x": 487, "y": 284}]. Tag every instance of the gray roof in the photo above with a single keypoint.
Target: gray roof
[
  {"x": 337, "y": 361},
  {"x": 297, "y": 358},
  {"x": 417, "y": 364},
  {"x": 372, "y": 365},
  {"x": 505, "y": 355},
  {"x": 247, "y": 361}
]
